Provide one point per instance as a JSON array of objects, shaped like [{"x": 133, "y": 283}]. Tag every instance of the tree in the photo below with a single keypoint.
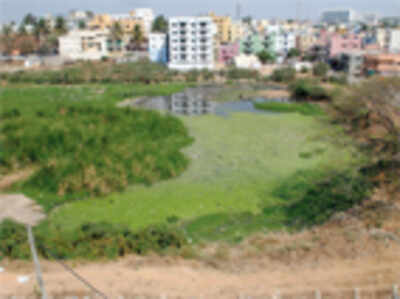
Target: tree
[
  {"x": 22, "y": 30},
  {"x": 82, "y": 25},
  {"x": 293, "y": 52},
  {"x": 29, "y": 19},
  {"x": 7, "y": 39},
  {"x": 160, "y": 24},
  {"x": 41, "y": 29},
  {"x": 61, "y": 25},
  {"x": 116, "y": 31},
  {"x": 266, "y": 56},
  {"x": 90, "y": 14},
  {"x": 247, "y": 20},
  {"x": 137, "y": 37},
  {"x": 320, "y": 69}
]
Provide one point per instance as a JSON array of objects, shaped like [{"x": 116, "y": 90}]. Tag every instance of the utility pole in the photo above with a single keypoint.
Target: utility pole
[
  {"x": 36, "y": 261},
  {"x": 238, "y": 10}
]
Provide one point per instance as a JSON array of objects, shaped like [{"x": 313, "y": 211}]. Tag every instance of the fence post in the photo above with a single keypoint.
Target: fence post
[
  {"x": 277, "y": 295},
  {"x": 318, "y": 294},
  {"x": 356, "y": 293},
  {"x": 396, "y": 292},
  {"x": 38, "y": 270}
]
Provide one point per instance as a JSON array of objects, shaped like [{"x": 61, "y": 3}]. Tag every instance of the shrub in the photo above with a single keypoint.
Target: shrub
[
  {"x": 286, "y": 74},
  {"x": 305, "y": 89},
  {"x": 320, "y": 69},
  {"x": 237, "y": 73},
  {"x": 319, "y": 195},
  {"x": 341, "y": 80},
  {"x": 13, "y": 241},
  {"x": 89, "y": 241}
]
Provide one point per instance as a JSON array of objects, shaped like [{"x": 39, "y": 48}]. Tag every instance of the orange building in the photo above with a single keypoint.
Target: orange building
[{"x": 384, "y": 64}]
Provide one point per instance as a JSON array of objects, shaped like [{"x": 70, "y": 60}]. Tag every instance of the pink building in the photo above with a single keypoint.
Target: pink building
[
  {"x": 227, "y": 52},
  {"x": 346, "y": 43}
]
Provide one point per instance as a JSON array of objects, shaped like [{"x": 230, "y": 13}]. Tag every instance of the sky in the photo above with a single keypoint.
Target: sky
[{"x": 310, "y": 9}]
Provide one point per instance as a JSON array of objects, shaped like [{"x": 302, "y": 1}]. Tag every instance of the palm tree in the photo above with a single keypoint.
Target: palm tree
[
  {"x": 116, "y": 31},
  {"x": 7, "y": 39},
  {"x": 137, "y": 37},
  {"x": 61, "y": 25},
  {"x": 41, "y": 29}
]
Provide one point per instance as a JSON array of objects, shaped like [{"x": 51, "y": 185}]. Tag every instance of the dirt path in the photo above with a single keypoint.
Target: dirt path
[
  {"x": 156, "y": 276},
  {"x": 20, "y": 208},
  {"x": 8, "y": 180}
]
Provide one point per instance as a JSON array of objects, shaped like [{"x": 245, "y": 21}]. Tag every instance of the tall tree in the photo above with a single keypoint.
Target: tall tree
[
  {"x": 116, "y": 31},
  {"x": 7, "y": 39},
  {"x": 160, "y": 24},
  {"x": 61, "y": 25},
  {"x": 29, "y": 19},
  {"x": 82, "y": 25},
  {"x": 41, "y": 29},
  {"x": 137, "y": 37}
]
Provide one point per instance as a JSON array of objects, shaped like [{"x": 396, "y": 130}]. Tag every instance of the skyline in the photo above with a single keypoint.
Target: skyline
[{"x": 309, "y": 9}]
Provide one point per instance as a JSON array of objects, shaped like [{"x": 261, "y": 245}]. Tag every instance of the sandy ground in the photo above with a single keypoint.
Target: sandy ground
[
  {"x": 153, "y": 277},
  {"x": 21, "y": 209}
]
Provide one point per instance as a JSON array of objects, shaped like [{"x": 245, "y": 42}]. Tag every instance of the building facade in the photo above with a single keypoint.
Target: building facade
[
  {"x": 191, "y": 43},
  {"x": 85, "y": 45},
  {"x": 344, "y": 44},
  {"x": 343, "y": 16},
  {"x": 227, "y": 53},
  {"x": 158, "y": 50}
]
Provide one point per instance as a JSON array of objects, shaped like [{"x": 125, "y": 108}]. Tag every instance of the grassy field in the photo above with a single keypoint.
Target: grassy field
[{"x": 236, "y": 164}]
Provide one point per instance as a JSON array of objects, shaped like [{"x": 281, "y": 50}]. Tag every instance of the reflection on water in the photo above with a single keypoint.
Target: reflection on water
[{"x": 194, "y": 102}]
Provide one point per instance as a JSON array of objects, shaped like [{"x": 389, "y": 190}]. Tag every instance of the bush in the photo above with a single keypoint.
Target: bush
[
  {"x": 89, "y": 241},
  {"x": 286, "y": 74},
  {"x": 305, "y": 89},
  {"x": 320, "y": 69},
  {"x": 319, "y": 195},
  {"x": 341, "y": 80},
  {"x": 237, "y": 73}
]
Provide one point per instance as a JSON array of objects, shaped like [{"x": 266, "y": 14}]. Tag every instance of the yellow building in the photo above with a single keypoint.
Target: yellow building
[
  {"x": 127, "y": 23},
  {"x": 101, "y": 22},
  {"x": 224, "y": 24}
]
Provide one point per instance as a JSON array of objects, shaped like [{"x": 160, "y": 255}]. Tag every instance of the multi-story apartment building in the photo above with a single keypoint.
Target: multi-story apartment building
[
  {"x": 388, "y": 39},
  {"x": 158, "y": 50},
  {"x": 341, "y": 16},
  {"x": 344, "y": 44},
  {"x": 143, "y": 17},
  {"x": 191, "y": 43},
  {"x": 223, "y": 24},
  {"x": 305, "y": 41}
]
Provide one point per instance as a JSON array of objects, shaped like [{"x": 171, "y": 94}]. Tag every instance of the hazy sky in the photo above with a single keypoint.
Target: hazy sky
[{"x": 16, "y": 9}]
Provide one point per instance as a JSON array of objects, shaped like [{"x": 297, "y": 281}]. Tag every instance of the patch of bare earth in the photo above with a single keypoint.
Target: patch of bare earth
[
  {"x": 6, "y": 181},
  {"x": 358, "y": 249}
]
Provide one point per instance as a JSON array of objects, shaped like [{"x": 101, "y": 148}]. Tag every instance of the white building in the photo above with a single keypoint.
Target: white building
[
  {"x": 339, "y": 16},
  {"x": 388, "y": 39},
  {"x": 158, "y": 47},
  {"x": 145, "y": 14},
  {"x": 191, "y": 43},
  {"x": 85, "y": 45}
]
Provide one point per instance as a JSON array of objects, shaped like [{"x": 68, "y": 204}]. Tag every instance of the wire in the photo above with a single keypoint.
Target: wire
[{"x": 76, "y": 275}]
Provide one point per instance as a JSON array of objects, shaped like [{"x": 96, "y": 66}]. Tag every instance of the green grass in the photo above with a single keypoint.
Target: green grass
[
  {"x": 82, "y": 147},
  {"x": 236, "y": 164},
  {"x": 302, "y": 108}
]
